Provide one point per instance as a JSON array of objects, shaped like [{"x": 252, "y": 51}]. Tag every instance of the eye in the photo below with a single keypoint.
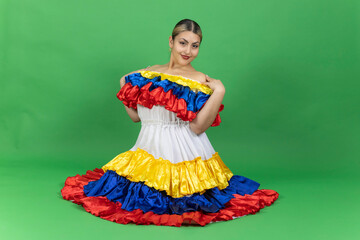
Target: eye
[
  {"x": 182, "y": 43},
  {"x": 196, "y": 46}
]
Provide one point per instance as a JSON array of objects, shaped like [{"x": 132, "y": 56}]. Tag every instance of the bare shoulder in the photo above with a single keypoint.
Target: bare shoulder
[
  {"x": 195, "y": 75},
  {"x": 136, "y": 71},
  {"x": 142, "y": 69},
  {"x": 201, "y": 77},
  {"x": 156, "y": 67}
]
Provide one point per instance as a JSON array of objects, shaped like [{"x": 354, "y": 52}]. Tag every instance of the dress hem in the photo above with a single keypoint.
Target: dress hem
[{"x": 111, "y": 211}]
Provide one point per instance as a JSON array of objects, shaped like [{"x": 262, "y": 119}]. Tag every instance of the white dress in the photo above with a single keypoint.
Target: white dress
[
  {"x": 165, "y": 135},
  {"x": 171, "y": 176}
]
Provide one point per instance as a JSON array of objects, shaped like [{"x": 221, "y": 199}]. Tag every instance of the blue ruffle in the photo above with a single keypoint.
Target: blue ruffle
[
  {"x": 137, "y": 195},
  {"x": 194, "y": 100}
]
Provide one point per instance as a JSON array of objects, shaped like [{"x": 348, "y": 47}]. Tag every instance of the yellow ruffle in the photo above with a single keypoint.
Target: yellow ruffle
[
  {"x": 192, "y": 84},
  {"x": 177, "y": 179}
]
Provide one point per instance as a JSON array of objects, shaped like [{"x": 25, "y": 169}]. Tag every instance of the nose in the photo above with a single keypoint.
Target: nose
[{"x": 187, "y": 51}]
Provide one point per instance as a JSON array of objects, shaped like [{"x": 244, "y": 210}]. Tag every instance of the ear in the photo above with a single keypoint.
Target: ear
[{"x": 171, "y": 42}]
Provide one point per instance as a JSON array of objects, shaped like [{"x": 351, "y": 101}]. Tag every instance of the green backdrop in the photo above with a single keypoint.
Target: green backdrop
[{"x": 291, "y": 116}]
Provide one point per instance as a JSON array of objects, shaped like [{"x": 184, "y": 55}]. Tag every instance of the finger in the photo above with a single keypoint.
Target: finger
[
  {"x": 203, "y": 81},
  {"x": 207, "y": 78}
]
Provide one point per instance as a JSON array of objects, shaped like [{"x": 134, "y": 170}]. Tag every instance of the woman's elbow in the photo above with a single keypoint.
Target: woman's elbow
[
  {"x": 134, "y": 117},
  {"x": 136, "y": 120},
  {"x": 196, "y": 129}
]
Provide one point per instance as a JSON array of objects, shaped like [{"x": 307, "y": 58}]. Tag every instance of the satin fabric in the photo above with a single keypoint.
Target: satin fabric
[
  {"x": 178, "y": 180},
  {"x": 169, "y": 165},
  {"x": 194, "y": 100},
  {"x": 112, "y": 211},
  {"x": 137, "y": 195},
  {"x": 192, "y": 84},
  {"x": 177, "y": 98}
]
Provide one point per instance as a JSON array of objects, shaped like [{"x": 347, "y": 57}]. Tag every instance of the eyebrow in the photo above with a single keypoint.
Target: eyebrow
[{"x": 187, "y": 41}]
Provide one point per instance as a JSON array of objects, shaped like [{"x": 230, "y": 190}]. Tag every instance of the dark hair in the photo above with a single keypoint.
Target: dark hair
[{"x": 186, "y": 25}]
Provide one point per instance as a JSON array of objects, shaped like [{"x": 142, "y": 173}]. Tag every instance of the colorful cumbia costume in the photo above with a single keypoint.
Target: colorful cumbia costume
[{"x": 171, "y": 176}]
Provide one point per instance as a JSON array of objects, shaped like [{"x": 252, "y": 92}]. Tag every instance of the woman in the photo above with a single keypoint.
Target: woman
[{"x": 172, "y": 175}]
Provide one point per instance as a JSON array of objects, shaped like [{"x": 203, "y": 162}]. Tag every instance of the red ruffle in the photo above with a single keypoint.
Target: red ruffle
[
  {"x": 106, "y": 209},
  {"x": 132, "y": 95}
]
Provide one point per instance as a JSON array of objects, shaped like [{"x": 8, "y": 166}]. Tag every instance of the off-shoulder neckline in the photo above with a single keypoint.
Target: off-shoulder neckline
[
  {"x": 174, "y": 76},
  {"x": 184, "y": 81}
]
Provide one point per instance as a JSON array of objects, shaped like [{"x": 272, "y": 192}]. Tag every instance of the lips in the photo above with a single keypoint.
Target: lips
[{"x": 185, "y": 57}]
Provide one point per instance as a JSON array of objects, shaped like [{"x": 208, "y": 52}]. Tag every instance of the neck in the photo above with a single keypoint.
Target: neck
[{"x": 173, "y": 66}]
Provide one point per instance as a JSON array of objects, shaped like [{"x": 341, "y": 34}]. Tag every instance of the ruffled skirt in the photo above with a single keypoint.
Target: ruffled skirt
[
  {"x": 171, "y": 176},
  {"x": 110, "y": 196}
]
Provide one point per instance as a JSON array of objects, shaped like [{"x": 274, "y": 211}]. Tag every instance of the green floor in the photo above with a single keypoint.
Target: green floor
[{"x": 309, "y": 207}]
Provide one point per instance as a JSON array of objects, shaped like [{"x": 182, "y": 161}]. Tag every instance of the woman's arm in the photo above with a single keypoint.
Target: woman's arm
[
  {"x": 130, "y": 111},
  {"x": 206, "y": 116}
]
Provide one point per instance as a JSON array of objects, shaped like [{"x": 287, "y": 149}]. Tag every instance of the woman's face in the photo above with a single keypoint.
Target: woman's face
[{"x": 185, "y": 44}]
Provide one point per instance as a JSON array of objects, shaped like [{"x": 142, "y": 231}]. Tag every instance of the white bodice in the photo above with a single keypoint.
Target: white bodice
[{"x": 165, "y": 135}]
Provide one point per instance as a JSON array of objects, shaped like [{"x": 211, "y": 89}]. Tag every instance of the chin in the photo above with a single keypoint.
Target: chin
[{"x": 184, "y": 60}]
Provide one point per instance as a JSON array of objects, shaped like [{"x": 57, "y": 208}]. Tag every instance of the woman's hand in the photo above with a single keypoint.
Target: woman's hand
[{"x": 214, "y": 84}]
